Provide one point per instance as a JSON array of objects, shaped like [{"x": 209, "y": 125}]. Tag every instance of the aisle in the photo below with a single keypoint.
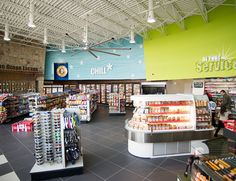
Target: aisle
[{"x": 105, "y": 153}]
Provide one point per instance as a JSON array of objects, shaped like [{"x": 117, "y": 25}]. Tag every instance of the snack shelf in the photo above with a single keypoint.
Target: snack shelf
[{"x": 85, "y": 103}]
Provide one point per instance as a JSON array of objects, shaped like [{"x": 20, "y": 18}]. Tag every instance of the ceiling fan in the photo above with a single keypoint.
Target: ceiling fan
[{"x": 92, "y": 48}]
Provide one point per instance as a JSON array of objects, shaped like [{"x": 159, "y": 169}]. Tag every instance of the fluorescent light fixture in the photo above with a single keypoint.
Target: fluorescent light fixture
[
  {"x": 63, "y": 48},
  {"x": 6, "y": 34},
  {"x": 151, "y": 18},
  {"x": 85, "y": 34},
  {"x": 45, "y": 37},
  {"x": 132, "y": 36},
  {"x": 31, "y": 16}
]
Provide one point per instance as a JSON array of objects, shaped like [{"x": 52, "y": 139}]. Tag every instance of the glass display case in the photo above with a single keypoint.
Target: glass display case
[{"x": 165, "y": 125}]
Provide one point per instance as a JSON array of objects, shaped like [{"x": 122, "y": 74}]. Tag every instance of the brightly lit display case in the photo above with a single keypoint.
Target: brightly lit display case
[{"x": 164, "y": 125}]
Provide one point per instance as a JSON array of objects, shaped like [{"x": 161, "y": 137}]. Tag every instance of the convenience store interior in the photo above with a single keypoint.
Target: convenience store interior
[{"x": 117, "y": 90}]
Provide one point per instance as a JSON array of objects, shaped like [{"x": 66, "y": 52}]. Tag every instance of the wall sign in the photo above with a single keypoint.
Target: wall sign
[
  {"x": 215, "y": 63},
  {"x": 204, "y": 50},
  {"x": 8, "y": 67},
  {"x": 198, "y": 84},
  {"x": 60, "y": 71},
  {"x": 101, "y": 70},
  {"x": 83, "y": 66}
]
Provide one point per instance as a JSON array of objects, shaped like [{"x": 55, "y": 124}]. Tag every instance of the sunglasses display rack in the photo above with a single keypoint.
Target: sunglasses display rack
[
  {"x": 86, "y": 103},
  {"x": 57, "y": 144}
]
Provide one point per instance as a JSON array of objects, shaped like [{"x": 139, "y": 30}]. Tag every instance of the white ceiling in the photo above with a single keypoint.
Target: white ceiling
[{"x": 106, "y": 18}]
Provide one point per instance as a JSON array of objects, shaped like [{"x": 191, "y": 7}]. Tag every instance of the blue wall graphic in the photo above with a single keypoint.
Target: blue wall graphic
[{"x": 83, "y": 66}]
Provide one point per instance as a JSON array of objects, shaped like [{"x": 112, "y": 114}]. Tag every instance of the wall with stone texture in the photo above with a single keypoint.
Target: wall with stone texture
[{"x": 22, "y": 55}]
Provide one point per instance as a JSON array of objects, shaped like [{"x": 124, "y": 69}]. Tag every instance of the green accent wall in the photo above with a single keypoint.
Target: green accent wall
[{"x": 202, "y": 50}]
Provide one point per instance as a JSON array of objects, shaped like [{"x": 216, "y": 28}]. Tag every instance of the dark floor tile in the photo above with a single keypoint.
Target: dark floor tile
[
  {"x": 5, "y": 169},
  {"x": 54, "y": 179},
  {"x": 161, "y": 174},
  {"x": 87, "y": 176},
  {"x": 90, "y": 160},
  {"x": 184, "y": 159},
  {"x": 23, "y": 162},
  {"x": 141, "y": 167},
  {"x": 106, "y": 153},
  {"x": 125, "y": 175},
  {"x": 120, "y": 147},
  {"x": 156, "y": 161},
  {"x": 173, "y": 165},
  {"x": 122, "y": 160},
  {"x": 105, "y": 169},
  {"x": 24, "y": 174},
  {"x": 13, "y": 154}
]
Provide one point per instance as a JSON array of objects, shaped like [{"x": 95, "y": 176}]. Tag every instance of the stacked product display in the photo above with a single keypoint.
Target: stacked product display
[
  {"x": 13, "y": 106},
  {"x": 116, "y": 104},
  {"x": 84, "y": 103},
  {"x": 51, "y": 101},
  {"x": 57, "y": 144},
  {"x": 220, "y": 169},
  {"x": 203, "y": 112},
  {"x": 166, "y": 125},
  {"x": 163, "y": 115},
  {"x": 128, "y": 93},
  {"x": 3, "y": 111}
]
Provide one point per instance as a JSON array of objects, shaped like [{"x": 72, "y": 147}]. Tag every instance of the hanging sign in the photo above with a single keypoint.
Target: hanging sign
[{"x": 61, "y": 71}]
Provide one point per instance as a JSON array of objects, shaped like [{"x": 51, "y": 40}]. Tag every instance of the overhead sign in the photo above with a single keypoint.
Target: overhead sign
[{"x": 60, "y": 71}]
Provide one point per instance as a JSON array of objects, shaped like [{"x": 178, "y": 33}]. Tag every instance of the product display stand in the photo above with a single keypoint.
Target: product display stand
[
  {"x": 116, "y": 104},
  {"x": 57, "y": 145},
  {"x": 85, "y": 103},
  {"x": 13, "y": 106},
  {"x": 165, "y": 125},
  {"x": 203, "y": 113}
]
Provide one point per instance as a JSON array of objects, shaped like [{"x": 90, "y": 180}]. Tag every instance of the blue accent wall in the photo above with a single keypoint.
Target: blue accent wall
[{"x": 83, "y": 66}]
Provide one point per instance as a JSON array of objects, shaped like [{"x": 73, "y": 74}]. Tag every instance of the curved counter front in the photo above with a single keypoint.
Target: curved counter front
[{"x": 167, "y": 143}]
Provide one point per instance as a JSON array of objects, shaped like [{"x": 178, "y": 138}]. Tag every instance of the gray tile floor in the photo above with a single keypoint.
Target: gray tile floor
[{"x": 105, "y": 153}]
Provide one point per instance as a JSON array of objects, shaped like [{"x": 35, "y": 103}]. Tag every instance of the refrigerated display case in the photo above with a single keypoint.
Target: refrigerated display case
[
  {"x": 203, "y": 112},
  {"x": 108, "y": 91},
  {"x": 116, "y": 104},
  {"x": 115, "y": 88},
  {"x": 103, "y": 93},
  {"x": 165, "y": 125},
  {"x": 136, "y": 89},
  {"x": 128, "y": 93}
]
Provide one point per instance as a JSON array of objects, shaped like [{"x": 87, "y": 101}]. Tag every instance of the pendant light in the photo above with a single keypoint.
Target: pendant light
[
  {"x": 45, "y": 37},
  {"x": 31, "y": 15},
  {"x": 63, "y": 49},
  {"x": 132, "y": 36},
  {"x": 6, "y": 34},
  {"x": 151, "y": 18}
]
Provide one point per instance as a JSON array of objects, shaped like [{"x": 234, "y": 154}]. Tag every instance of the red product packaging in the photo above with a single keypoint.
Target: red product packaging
[
  {"x": 23, "y": 126},
  {"x": 230, "y": 124}
]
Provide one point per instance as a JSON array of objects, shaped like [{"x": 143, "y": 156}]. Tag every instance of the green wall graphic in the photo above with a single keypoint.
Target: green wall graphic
[{"x": 202, "y": 50}]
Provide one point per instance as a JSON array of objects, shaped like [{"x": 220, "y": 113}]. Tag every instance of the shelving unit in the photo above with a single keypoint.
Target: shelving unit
[
  {"x": 214, "y": 86},
  {"x": 116, "y": 104},
  {"x": 51, "y": 145},
  {"x": 165, "y": 125},
  {"x": 217, "y": 169},
  {"x": 51, "y": 101},
  {"x": 128, "y": 93},
  {"x": 203, "y": 112},
  {"x": 86, "y": 103},
  {"x": 12, "y": 106},
  {"x": 3, "y": 111}
]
